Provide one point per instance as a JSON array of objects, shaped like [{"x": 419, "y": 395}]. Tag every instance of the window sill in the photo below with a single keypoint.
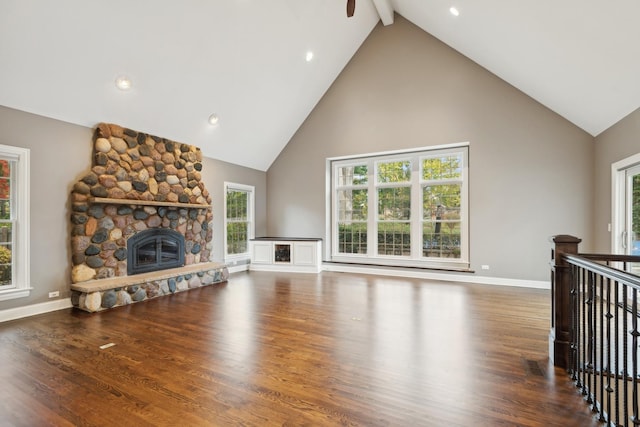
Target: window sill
[
  {"x": 14, "y": 293},
  {"x": 398, "y": 262},
  {"x": 235, "y": 259}
]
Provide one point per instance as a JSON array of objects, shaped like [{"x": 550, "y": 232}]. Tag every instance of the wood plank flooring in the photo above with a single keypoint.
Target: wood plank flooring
[{"x": 275, "y": 349}]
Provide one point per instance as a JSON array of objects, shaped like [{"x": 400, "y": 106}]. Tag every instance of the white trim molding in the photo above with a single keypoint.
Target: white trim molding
[
  {"x": 34, "y": 309},
  {"x": 617, "y": 198},
  {"x": 250, "y": 190},
  {"x": 20, "y": 176}
]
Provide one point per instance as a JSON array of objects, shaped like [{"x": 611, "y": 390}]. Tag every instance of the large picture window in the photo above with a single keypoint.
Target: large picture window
[
  {"x": 14, "y": 222},
  {"x": 239, "y": 223},
  {"x": 405, "y": 208}
]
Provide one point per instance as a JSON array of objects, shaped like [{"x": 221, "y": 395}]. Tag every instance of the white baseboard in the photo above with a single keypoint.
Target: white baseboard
[
  {"x": 432, "y": 275},
  {"x": 32, "y": 310}
]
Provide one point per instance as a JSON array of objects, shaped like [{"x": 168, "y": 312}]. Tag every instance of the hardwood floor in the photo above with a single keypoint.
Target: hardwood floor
[{"x": 293, "y": 349}]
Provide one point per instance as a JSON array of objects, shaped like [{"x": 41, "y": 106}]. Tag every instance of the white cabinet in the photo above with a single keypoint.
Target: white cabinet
[{"x": 297, "y": 255}]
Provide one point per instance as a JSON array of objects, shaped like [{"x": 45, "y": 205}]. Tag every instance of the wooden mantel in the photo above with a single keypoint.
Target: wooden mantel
[{"x": 107, "y": 200}]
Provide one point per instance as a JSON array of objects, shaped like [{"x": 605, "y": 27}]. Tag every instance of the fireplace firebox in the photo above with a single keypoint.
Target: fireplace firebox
[{"x": 154, "y": 249}]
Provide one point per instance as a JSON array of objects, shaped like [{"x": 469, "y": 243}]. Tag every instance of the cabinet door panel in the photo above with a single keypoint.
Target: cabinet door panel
[
  {"x": 262, "y": 253},
  {"x": 304, "y": 253}
]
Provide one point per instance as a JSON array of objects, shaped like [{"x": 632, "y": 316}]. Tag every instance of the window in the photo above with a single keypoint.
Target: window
[
  {"x": 14, "y": 222},
  {"x": 404, "y": 209},
  {"x": 239, "y": 223},
  {"x": 625, "y": 233}
]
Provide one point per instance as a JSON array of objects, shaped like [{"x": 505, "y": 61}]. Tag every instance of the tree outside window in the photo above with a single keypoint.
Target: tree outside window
[
  {"x": 14, "y": 222},
  {"x": 6, "y": 222},
  {"x": 239, "y": 226},
  {"x": 420, "y": 215}
]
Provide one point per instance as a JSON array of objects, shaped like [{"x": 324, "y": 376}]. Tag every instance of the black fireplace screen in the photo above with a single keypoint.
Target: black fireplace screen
[{"x": 154, "y": 249}]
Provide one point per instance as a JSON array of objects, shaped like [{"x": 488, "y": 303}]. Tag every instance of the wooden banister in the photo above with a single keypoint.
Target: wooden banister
[{"x": 560, "y": 334}]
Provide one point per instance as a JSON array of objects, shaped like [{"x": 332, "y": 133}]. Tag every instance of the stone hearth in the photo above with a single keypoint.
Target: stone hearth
[{"x": 138, "y": 182}]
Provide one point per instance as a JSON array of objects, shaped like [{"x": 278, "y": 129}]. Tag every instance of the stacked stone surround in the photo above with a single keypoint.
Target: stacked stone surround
[{"x": 137, "y": 182}]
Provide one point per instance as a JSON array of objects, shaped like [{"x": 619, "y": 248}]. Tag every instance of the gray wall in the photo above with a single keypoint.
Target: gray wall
[
  {"x": 214, "y": 174},
  {"x": 620, "y": 141},
  {"x": 530, "y": 169},
  {"x": 60, "y": 155}
]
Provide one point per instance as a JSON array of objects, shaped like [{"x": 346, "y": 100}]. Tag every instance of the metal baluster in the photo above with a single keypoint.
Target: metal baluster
[
  {"x": 616, "y": 332},
  {"x": 583, "y": 335},
  {"x": 601, "y": 365},
  {"x": 625, "y": 353},
  {"x": 575, "y": 324},
  {"x": 634, "y": 355},
  {"x": 605, "y": 292},
  {"x": 591, "y": 351},
  {"x": 610, "y": 372}
]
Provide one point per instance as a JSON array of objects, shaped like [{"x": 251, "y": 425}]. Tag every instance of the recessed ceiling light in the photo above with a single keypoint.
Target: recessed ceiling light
[
  {"x": 309, "y": 56},
  {"x": 123, "y": 83},
  {"x": 454, "y": 11},
  {"x": 213, "y": 119}
]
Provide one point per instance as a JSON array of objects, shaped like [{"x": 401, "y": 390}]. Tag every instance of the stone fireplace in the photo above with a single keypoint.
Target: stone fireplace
[{"x": 140, "y": 221}]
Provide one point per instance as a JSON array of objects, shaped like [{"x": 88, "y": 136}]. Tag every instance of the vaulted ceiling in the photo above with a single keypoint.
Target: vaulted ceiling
[{"x": 247, "y": 61}]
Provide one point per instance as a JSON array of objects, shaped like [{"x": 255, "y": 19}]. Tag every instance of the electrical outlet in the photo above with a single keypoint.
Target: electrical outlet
[
  {"x": 54, "y": 294},
  {"x": 485, "y": 267}
]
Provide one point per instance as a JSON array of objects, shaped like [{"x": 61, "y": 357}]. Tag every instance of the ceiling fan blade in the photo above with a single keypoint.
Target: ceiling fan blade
[{"x": 351, "y": 7}]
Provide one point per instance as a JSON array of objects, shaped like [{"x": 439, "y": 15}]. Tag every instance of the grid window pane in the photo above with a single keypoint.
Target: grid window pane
[
  {"x": 394, "y": 238},
  {"x": 237, "y": 204},
  {"x": 397, "y": 171},
  {"x": 352, "y": 205},
  {"x": 442, "y": 167},
  {"x": 394, "y": 203},
  {"x": 237, "y": 222},
  {"x": 441, "y": 221},
  {"x": 352, "y": 238},
  {"x": 5, "y": 189},
  {"x": 441, "y": 242},
  {"x": 5, "y": 253},
  {"x": 352, "y": 175},
  {"x": 441, "y": 202},
  {"x": 6, "y": 223},
  {"x": 237, "y": 237}
]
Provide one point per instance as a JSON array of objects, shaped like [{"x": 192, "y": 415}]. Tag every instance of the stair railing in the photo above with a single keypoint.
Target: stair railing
[{"x": 595, "y": 328}]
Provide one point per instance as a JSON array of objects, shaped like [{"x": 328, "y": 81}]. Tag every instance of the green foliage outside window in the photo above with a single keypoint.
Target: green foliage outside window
[
  {"x": 5, "y": 223},
  {"x": 441, "y": 180},
  {"x": 237, "y": 222},
  {"x": 237, "y": 238},
  {"x": 353, "y": 175},
  {"x": 441, "y": 168},
  {"x": 352, "y": 238},
  {"x": 394, "y": 203},
  {"x": 394, "y": 238},
  {"x": 352, "y": 205},
  {"x": 5, "y": 266},
  {"x": 398, "y": 171}
]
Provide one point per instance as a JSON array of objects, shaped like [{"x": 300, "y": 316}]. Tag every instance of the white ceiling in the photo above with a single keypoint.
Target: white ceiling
[{"x": 245, "y": 60}]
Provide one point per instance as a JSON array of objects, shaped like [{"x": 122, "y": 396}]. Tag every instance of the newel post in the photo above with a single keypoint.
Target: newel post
[{"x": 560, "y": 334}]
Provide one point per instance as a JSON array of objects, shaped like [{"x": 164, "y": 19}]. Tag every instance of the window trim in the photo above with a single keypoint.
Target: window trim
[
  {"x": 21, "y": 286},
  {"x": 618, "y": 177},
  {"x": 250, "y": 189},
  {"x": 372, "y": 258}
]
